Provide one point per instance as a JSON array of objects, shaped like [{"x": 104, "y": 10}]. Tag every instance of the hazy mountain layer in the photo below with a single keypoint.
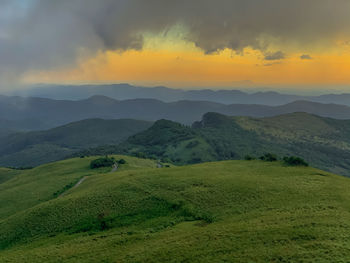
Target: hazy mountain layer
[
  {"x": 34, "y": 148},
  {"x": 126, "y": 91},
  {"x": 39, "y": 113}
]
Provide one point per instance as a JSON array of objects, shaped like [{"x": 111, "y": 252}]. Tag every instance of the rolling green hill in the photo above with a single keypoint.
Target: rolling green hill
[
  {"x": 32, "y": 187},
  {"x": 235, "y": 211},
  {"x": 172, "y": 142},
  {"x": 7, "y": 174},
  {"x": 34, "y": 148},
  {"x": 323, "y": 142}
]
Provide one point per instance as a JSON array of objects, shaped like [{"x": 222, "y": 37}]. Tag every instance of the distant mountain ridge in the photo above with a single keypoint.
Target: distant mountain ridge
[
  {"x": 34, "y": 148},
  {"x": 126, "y": 92},
  {"x": 323, "y": 142},
  {"x": 40, "y": 113}
]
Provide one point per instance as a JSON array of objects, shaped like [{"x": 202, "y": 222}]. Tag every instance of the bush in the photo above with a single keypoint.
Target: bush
[
  {"x": 122, "y": 161},
  {"x": 102, "y": 162},
  {"x": 249, "y": 158},
  {"x": 192, "y": 144},
  {"x": 295, "y": 161},
  {"x": 166, "y": 160},
  {"x": 269, "y": 157}
]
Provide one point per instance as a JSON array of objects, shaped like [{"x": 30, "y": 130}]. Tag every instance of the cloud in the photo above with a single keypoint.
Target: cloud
[
  {"x": 272, "y": 64},
  {"x": 42, "y": 34},
  {"x": 275, "y": 56},
  {"x": 305, "y": 56}
]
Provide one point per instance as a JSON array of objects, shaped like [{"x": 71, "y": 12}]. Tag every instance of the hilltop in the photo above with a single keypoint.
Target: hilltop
[{"x": 260, "y": 212}]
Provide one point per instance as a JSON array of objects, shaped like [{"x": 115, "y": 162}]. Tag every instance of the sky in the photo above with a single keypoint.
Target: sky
[{"x": 299, "y": 44}]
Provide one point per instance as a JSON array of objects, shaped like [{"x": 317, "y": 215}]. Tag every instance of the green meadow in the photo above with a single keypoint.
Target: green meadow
[{"x": 229, "y": 211}]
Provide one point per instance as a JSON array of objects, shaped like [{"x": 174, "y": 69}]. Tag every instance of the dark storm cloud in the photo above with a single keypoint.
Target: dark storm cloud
[
  {"x": 49, "y": 34},
  {"x": 275, "y": 56}
]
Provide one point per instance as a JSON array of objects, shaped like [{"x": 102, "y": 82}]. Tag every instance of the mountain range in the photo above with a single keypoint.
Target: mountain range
[
  {"x": 40, "y": 113},
  {"x": 323, "y": 142},
  {"x": 37, "y": 147},
  {"x": 127, "y": 92}
]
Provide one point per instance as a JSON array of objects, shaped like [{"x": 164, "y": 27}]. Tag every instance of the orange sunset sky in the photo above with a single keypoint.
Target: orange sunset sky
[
  {"x": 175, "y": 62},
  {"x": 185, "y": 43}
]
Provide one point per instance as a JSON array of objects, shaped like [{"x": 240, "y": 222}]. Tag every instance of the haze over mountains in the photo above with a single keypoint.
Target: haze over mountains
[
  {"x": 34, "y": 148},
  {"x": 126, "y": 92},
  {"x": 18, "y": 113}
]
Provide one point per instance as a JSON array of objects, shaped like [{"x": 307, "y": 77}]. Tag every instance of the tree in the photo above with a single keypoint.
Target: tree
[
  {"x": 102, "y": 162},
  {"x": 295, "y": 161},
  {"x": 122, "y": 161},
  {"x": 269, "y": 157},
  {"x": 249, "y": 158}
]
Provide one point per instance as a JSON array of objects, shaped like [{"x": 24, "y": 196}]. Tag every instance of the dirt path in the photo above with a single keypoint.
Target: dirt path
[
  {"x": 78, "y": 183},
  {"x": 115, "y": 168},
  {"x": 75, "y": 186}
]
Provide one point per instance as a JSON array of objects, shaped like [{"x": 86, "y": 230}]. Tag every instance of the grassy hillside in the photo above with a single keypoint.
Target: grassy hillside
[
  {"x": 7, "y": 174},
  {"x": 32, "y": 187},
  {"x": 241, "y": 211},
  {"x": 323, "y": 142},
  {"x": 171, "y": 141},
  {"x": 34, "y": 148}
]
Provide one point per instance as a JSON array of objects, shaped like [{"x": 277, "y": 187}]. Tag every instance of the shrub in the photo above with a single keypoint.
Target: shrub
[
  {"x": 122, "y": 161},
  {"x": 102, "y": 162},
  {"x": 268, "y": 157},
  {"x": 249, "y": 158},
  {"x": 165, "y": 160},
  {"x": 295, "y": 161}
]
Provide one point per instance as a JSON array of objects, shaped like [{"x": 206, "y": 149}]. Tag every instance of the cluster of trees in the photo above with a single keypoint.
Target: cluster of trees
[
  {"x": 287, "y": 160},
  {"x": 295, "y": 161},
  {"x": 105, "y": 162}
]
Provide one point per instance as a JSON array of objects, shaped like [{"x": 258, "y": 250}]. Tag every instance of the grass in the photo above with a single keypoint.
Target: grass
[
  {"x": 41, "y": 184},
  {"x": 233, "y": 211},
  {"x": 7, "y": 174}
]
